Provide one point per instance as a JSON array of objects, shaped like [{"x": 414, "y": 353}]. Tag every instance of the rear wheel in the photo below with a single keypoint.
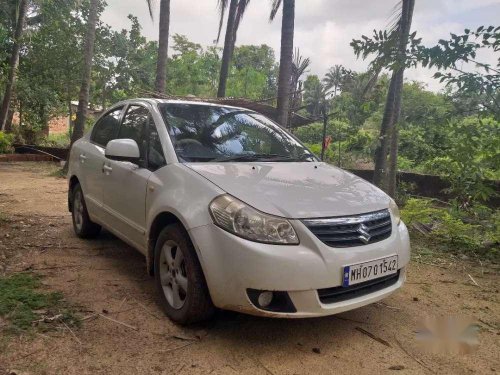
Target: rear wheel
[
  {"x": 82, "y": 225},
  {"x": 179, "y": 278}
]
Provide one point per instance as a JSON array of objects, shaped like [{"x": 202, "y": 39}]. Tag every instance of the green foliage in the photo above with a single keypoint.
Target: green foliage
[
  {"x": 384, "y": 44},
  {"x": 6, "y": 143},
  {"x": 314, "y": 95},
  {"x": 419, "y": 211},
  {"x": 473, "y": 155},
  {"x": 55, "y": 140},
  {"x": 475, "y": 230},
  {"x": 20, "y": 300},
  {"x": 49, "y": 69},
  {"x": 484, "y": 81},
  {"x": 316, "y": 150}
]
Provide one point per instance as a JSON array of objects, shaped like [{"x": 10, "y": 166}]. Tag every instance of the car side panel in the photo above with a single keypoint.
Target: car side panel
[{"x": 124, "y": 200}]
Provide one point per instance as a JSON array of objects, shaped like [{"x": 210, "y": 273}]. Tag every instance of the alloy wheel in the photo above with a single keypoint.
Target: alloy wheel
[
  {"x": 78, "y": 210},
  {"x": 173, "y": 274}
]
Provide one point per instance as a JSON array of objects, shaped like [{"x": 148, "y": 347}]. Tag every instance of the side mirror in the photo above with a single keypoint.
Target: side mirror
[{"x": 123, "y": 150}]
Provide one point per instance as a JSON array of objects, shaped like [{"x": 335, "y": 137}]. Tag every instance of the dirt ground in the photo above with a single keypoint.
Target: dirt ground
[{"x": 106, "y": 276}]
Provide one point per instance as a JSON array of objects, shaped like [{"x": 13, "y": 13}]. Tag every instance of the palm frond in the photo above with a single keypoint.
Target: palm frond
[
  {"x": 299, "y": 64},
  {"x": 373, "y": 77},
  {"x": 240, "y": 11},
  {"x": 151, "y": 4},
  {"x": 334, "y": 76},
  {"x": 222, "y": 6},
  {"x": 395, "y": 18},
  {"x": 276, "y": 4}
]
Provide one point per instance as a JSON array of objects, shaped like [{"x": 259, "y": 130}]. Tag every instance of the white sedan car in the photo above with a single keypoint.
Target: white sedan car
[{"x": 233, "y": 212}]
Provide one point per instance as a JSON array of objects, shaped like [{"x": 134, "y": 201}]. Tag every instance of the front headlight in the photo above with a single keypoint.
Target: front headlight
[
  {"x": 236, "y": 217},
  {"x": 393, "y": 207}
]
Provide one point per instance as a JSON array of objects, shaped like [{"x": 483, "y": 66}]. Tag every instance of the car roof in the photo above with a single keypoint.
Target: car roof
[{"x": 155, "y": 101}]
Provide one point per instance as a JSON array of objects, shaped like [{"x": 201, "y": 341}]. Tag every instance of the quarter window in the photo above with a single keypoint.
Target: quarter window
[
  {"x": 135, "y": 126},
  {"x": 105, "y": 129},
  {"x": 156, "y": 159}
]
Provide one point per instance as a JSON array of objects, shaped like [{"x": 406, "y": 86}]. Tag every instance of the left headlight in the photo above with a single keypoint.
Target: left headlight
[
  {"x": 242, "y": 220},
  {"x": 393, "y": 207}
]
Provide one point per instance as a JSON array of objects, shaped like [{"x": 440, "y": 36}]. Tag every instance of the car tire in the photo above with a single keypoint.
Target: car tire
[
  {"x": 180, "y": 281},
  {"x": 82, "y": 225}
]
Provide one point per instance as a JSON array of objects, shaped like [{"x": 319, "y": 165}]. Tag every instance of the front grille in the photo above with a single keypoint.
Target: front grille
[
  {"x": 352, "y": 230},
  {"x": 340, "y": 293}
]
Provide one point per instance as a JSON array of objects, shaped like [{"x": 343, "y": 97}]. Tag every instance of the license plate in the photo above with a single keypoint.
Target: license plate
[{"x": 358, "y": 273}]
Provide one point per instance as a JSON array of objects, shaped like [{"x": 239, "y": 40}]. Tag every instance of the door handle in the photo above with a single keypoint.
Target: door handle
[
  {"x": 83, "y": 158},
  {"x": 106, "y": 169}
]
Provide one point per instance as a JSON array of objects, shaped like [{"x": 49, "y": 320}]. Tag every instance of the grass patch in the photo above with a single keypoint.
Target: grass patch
[
  {"x": 59, "y": 173},
  {"x": 4, "y": 218},
  {"x": 22, "y": 304}
]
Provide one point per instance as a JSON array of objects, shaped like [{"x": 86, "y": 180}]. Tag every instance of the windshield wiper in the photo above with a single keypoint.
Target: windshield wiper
[
  {"x": 192, "y": 158},
  {"x": 241, "y": 157},
  {"x": 253, "y": 157}
]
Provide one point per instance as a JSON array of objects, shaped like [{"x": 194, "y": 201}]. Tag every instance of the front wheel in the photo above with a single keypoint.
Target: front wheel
[
  {"x": 82, "y": 225},
  {"x": 179, "y": 278}
]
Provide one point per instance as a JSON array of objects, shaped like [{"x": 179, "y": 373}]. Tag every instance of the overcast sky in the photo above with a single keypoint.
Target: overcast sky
[{"x": 323, "y": 28}]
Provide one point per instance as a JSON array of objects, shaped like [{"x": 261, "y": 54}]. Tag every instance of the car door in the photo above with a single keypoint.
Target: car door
[
  {"x": 91, "y": 159},
  {"x": 125, "y": 184}
]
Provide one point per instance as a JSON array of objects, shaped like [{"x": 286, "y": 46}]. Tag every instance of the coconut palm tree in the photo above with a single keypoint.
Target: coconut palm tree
[
  {"x": 236, "y": 11},
  {"x": 404, "y": 31},
  {"x": 13, "y": 62},
  {"x": 88, "y": 55},
  {"x": 333, "y": 78},
  {"x": 163, "y": 34},
  {"x": 286, "y": 56},
  {"x": 392, "y": 109}
]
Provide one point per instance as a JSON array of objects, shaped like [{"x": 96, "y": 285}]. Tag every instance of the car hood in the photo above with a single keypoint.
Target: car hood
[{"x": 295, "y": 190}]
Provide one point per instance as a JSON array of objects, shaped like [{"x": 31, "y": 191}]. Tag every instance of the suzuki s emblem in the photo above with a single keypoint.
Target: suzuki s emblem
[{"x": 363, "y": 233}]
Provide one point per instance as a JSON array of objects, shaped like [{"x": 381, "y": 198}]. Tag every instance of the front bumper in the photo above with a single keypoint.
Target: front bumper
[{"x": 233, "y": 265}]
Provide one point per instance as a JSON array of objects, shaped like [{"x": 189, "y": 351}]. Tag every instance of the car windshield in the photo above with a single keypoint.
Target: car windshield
[{"x": 203, "y": 133}]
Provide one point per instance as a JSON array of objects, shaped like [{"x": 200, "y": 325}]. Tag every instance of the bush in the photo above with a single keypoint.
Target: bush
[
  {"x": 316, "y": 150},
  {"x": 6, "y": 143},
  {"x": 476, "y": 229},
  {"x": 55, "y": 140}
]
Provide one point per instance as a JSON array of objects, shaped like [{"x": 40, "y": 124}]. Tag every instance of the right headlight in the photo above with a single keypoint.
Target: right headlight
[
  {"x": 393, "y": 207},
  {"x": 242, "y": 220}
]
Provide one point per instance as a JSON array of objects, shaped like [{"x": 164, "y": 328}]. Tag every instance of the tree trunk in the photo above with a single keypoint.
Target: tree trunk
[
  {"x": 20, "y": 115},
  {"x": 227, "y": 53},
  {"x": 393, "y": 163},
  {"x": 103, "y": 98},
  {"x": 286, "y": 56},
  {"x": 382, "y": 146},
  {"x": 13, "y": 62},
  {"x": 161, "y": 62},
  {"x": 10, "y": 118},
  {"x": 83, "y": 97},
  {"x": 68, "y": 102},
  {"x": 45, "y": 121},
  {"x": 70, "y": 119},
  {"x": 393, "y": 103},
  {"x": 393, "y": 166}
]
